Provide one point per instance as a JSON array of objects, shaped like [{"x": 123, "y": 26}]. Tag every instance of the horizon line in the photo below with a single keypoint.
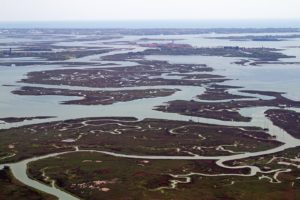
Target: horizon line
[{"x": 159, "y": 24}]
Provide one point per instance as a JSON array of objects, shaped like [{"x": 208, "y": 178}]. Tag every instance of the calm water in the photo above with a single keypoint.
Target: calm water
[
  {"x": 282, "y": 78},
  {"x": 157, "y": 24}
]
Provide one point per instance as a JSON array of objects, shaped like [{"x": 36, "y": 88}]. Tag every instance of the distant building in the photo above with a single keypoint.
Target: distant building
[
  {"x": 7, "y": 52},
  {"x": 232, "y": 47}
]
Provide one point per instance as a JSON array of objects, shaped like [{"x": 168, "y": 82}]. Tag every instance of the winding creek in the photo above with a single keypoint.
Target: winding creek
[{"x": 14, "y": 105}]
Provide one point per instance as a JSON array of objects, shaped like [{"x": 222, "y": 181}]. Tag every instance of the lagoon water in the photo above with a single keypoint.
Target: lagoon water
[
  {"x": 157, "y": 24},
  {"x": 282, "y": 78}
]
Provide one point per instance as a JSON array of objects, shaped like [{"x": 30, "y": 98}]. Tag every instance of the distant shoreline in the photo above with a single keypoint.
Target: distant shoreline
[{"x": 293, "y": 23}]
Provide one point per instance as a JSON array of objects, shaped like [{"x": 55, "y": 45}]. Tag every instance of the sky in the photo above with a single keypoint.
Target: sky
[{"x": 64, "y": 10}]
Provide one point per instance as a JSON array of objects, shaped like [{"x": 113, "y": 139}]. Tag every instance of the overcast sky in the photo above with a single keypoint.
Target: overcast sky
[{"x": 53, "y": 10}]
